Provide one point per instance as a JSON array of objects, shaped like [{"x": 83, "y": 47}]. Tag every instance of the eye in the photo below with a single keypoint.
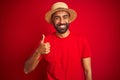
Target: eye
[
  {"x": 66, "y": 17},
  {"x": 56, "y": 18}
]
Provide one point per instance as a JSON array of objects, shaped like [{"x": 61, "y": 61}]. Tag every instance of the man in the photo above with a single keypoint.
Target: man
[{"x": 67, "y": 55}]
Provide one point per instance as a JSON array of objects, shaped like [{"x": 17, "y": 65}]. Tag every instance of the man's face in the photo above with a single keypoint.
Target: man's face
[{"x": 60, "y": 21}]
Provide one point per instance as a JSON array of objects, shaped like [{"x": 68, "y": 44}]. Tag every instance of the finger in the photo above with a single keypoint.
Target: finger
[
  {"x": 48, "y": 51},
  {"x": 47, "y": 44},
  {"x": 43, "y": 39},
  {"x": 47, "y": 47}
]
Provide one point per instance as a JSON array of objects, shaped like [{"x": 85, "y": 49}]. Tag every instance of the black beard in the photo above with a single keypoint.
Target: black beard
[{"x": 61, "y": 30}]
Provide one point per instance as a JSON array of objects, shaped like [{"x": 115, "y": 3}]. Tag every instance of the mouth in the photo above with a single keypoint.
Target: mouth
[{"x": 62, "y": 26}]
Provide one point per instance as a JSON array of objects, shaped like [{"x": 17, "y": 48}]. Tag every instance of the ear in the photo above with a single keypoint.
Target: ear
[
  {"x": 52, "y": 21},
  {"x": 69, "y": 21}
]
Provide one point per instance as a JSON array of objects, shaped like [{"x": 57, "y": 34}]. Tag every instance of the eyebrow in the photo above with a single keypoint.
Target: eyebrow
[
  {"x": 59, "y": 16},
  {"x": 66, "y": 15},
  {"x": 56, "y": 16},
  {"x": 53, "y": 15},
  {"x": 55, "y": 12}
]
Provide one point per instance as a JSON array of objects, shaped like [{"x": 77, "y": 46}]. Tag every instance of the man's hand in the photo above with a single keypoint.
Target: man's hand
[
  {"x": 44, "y": 48},
  {"x": 32, "y": 62}
]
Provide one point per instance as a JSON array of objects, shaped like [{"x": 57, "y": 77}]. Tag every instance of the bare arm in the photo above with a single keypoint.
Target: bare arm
[
  {"x": 87, "y": 68},
  {"x": 32, "y": 62}
]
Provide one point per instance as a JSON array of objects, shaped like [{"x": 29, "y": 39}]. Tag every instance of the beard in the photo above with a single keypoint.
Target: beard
[{"x": 61, "y": 28}]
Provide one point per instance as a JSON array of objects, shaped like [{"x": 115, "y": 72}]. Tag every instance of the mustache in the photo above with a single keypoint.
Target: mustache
[{"x": 61, "y": 24}]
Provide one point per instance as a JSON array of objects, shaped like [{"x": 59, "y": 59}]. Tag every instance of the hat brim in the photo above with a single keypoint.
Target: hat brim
[{"x": 72, "y": 13}]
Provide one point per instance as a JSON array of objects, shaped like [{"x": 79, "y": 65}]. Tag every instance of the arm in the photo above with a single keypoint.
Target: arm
[
  {"x": 32, "y": 62},
  {"x": 87, "y": 68}
]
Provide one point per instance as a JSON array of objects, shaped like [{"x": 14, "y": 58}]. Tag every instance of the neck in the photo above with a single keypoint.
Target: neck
[{"x": 63, "y": 35}]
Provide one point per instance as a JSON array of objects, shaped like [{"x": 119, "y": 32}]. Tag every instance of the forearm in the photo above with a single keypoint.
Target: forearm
[
  {"x": 87, "y": 68},
  {"x": 88, "y": 75},
  {"x": 32, "y": 63}
]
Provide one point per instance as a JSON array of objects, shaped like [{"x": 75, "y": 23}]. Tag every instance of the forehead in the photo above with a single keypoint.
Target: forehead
[{"x": 58, "y": 13}]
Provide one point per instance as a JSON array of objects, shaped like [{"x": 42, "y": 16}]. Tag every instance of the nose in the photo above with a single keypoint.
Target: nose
[{"x": 62, "y": 21}]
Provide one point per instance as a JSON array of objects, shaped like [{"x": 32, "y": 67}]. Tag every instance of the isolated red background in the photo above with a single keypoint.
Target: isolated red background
[{"x": 22, "y": 23}]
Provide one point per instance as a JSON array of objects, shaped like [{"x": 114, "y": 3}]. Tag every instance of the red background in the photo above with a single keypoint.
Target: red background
[{"x": 22, "y": 23}]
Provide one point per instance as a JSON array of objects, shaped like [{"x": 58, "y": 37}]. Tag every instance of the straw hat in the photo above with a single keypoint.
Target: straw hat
[{"x": 60, "y": 6}]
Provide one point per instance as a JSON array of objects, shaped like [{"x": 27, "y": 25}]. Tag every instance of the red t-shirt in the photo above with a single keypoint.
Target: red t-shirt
[{"x": 64, "y": 60}]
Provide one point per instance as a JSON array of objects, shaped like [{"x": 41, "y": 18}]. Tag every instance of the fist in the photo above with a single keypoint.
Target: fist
[{"x": 44, "y": 48}]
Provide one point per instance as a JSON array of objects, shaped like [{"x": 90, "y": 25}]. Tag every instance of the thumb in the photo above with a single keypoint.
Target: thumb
[{"x": 43, "y": 39}]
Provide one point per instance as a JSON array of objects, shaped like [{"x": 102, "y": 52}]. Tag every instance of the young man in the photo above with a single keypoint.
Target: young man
[{"x": 68, "y": 56}]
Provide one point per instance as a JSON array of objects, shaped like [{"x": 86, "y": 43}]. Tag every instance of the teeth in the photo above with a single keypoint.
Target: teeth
[{"x": 62, "y": 26}]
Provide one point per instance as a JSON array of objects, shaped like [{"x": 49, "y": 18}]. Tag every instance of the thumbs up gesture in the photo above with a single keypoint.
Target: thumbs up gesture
[{"x": 44, "y": 48}]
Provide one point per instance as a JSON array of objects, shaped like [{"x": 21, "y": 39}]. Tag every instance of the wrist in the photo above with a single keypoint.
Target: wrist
[{"x": 37, "y": 52}]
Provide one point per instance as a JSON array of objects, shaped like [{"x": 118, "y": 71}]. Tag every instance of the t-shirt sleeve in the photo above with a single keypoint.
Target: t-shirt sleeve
[{"x": 86, "y": 49}]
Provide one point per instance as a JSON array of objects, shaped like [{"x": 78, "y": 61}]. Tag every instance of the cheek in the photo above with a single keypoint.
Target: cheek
[
  {"x": 66, "y": 20},
  {"x": 56, "y": 22}
]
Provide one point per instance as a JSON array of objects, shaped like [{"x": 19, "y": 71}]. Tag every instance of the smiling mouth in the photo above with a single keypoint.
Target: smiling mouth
[{"x": 62, "y": 26}]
